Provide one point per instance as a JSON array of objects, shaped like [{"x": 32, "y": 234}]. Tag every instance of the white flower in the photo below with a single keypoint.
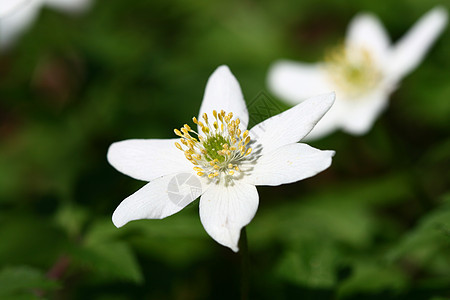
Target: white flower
[
  {"x": 362, "y": 72},
  {"x": 17, "y": 15},
  {"x": 222, "y": 161}
]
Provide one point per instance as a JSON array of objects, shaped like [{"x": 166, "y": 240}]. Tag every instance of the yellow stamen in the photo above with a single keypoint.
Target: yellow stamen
[
  {"x": 177, "y": 132},
  {"x": 219, "y": 146}
]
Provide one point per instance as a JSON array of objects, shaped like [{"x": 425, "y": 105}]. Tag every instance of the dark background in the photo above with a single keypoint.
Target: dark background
[{"x": 375, "y": 225}]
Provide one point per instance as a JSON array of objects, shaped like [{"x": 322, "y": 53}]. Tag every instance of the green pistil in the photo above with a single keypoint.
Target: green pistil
[
  {"x": 357, "y": 74},
  {"x": 214, "y": 144}
]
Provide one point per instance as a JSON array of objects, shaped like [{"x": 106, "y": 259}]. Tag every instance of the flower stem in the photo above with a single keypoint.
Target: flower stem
[{"x": 245, "y": 265}]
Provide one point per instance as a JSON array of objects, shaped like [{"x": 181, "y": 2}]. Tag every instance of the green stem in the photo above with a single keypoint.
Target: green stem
[{"x": 245, "y": 265}]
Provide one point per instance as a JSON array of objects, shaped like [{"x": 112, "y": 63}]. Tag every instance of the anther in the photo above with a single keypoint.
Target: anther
[{"x": 177, "y": 132}]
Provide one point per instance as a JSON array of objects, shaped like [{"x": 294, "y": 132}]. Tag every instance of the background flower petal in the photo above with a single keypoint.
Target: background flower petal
[
  {"x": 290, "y": 126},
  {"x": 223, "y": 92},
  {"x": 360, "y": 115},
  {"x": 409, "y": 51},
  {"x": 69, "y": 5},
  {"x": 294, "y": 82},
  {"x": 15, "y": 19},
  {"x": 159, "y": 198},
  {"x": 330, "y": 122},
  {"x": 288, "y": 164},
  {"x": 148, "y": 159},
  {"x": 366, "y": 30},
  {"x": 224, "y": 210}
]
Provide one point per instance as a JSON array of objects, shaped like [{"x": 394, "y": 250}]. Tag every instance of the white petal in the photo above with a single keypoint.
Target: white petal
[
  {"x": 329, "y": 122},
  {"x": 148, "y": 159},
  {"x": 224, "y": 210},
  {"x": 362, "y": 113},
  {"x": 10, "y": 6},
  {"x": 69, "y": 5},
  {"x": 159, "y": 198},
  {"x": 223, "y": 92},
  {"x": 410, "y": 50},
  {"x": 288, "y": 164},
  {"x": 294, "y": 82},
  {"x": 365, "y": 30},
  {"x": 290, "y": 126},
  {"x": 16, "y": 18}
]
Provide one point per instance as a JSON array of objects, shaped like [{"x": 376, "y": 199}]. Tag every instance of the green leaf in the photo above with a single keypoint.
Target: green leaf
[
  {"x": 24, "y": 233},
  {"x": 311, "y": 263},
  {"x": 179, "y": 240},
  {"x": 426, "y": 246},
  {"x": 23, "y": 281},
  {"x": 71, "y": 218},
  {"x": 114, "y": 260},
  {"x": 372, "y": 277}
]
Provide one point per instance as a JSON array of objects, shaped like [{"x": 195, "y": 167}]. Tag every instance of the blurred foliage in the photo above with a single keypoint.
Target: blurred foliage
[{"x": 375, "y": 225}]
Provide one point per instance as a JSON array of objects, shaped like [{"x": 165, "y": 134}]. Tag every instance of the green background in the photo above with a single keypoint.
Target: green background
[{"x": 375, "y": 225}]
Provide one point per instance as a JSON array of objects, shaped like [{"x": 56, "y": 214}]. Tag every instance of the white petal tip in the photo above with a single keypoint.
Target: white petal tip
[
  {"x": 325, "y": 99},
  {"x": 117, "y": 221},
  {"x": 365, "y": 17},
  {"x": 117, "y": 225},
  {"x": 437, "y": 17},
  {"x": 233, "y": 246},
  {"x": 332, "y": 96},
  {"x": 115, "y": 153},
  {"x": 440, "y": 12},
  {"x": 120, "y": 216},
  {"x": 222, "y": 69},
  {"x": 110, "y": 153}
]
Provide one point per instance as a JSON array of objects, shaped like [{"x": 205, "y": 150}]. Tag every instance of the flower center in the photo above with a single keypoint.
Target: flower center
[
  {"x": 220, "y": 148},
  {"x": 353, "y": 70}
]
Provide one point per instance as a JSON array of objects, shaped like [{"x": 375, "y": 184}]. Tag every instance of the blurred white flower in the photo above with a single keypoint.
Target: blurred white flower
[
  {"x": 17, "y": 15},
  {"x": 362, "y": 72},
  {"x": 222, "y": 161}
]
